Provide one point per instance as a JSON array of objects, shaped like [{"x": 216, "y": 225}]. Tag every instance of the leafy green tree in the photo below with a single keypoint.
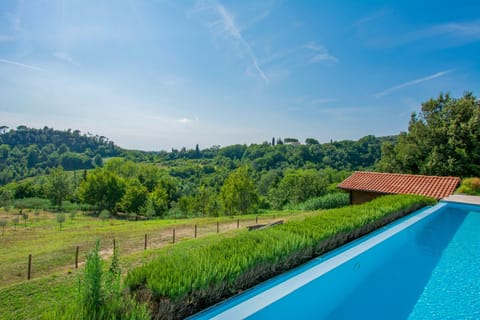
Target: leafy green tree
[
  {"x": 3, "y": 224},
  {"x": 158, "y": 199},
  {"x": 135, "y": 197},
  {"x": 59, "y": 186},
  {"x": 443, "y": 139},
  {"x": 97, "y": 160},
  {"x": 311, "y": 141},
  {"x": 102, "y": 189},
  {"x": 61, "y": 219},
  {"x": 25, "y": 218},
  {"x": 238, "y": 193},
  {"x": 297, "y": 186}
]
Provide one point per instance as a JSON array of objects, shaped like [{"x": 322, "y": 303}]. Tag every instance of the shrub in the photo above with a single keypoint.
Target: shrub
[
  {"x": 61, "y": 219},
  {"x": 328, "y": 201},
  {"x": 100, "y": 296},
  {"x": 470, "y": 186},
  {"x": 3, "y": 224},
  {"x": 104, "y": 215}
]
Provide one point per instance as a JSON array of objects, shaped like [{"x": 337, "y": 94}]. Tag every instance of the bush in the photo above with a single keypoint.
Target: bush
[
  {"x": 100, "y": 296},
  {"x": 186, "y": 278},
  {"x": 470, "y": 186},
  {"x": 328, "y": 201},
  {"x": 32, "y": 203}
]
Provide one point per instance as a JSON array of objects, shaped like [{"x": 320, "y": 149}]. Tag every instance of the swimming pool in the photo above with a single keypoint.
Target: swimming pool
[{"x": 424, "y": 266}]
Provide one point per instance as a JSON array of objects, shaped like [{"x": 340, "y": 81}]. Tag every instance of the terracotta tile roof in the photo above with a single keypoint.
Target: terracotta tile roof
[{"x": 396, "y": 183}]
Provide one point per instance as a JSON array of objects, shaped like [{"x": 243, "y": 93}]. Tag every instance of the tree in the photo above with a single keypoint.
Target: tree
[
  {"x": 297, "y": 186},
  {"x": 311, "y": 141},
  {"x": 3, "y": 224},
  {"x": 15, "y": 222},
  {"x": 443, "y": 139},
  {"x": 97, "y": 160},
  {"x": 103, "y": 189},
  {"x": 158, "y": 199},
  {"x": 135, "y": 197},
  {"x": 61, "y": 219},
  {"x": 59, "y": 186},
  {"x": 238, "y": 193},
  {"x": 25, "y": 217}
]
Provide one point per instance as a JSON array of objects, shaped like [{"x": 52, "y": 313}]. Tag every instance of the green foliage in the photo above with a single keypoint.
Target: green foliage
[
  {"x": 92, "y": 294},
  {"x": 100, "y": 295},
  {"x": 60, "y": 219},
  {"x": 104, "y": 215},
  {"x": 328, "y": 201},
  {"x": 238, "y": 193},
  {"x": 158, "y": 200},
  {"x": 25, "y": 218},
  {"x": 297, "y": 186},
  {"x": 27, "y": 152},
  {"x": 59, "y": 186},
  {"x": 470, "y": 186},
  {"x": 135, "y": 197},
  {"x": 3, "y": 224},
  {"x": 217, "y": 266},
  {"x": 102, "y": 189},
  {"x": 441, "y": 140}
]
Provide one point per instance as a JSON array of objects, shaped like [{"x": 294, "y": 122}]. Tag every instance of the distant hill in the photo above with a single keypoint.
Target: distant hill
[{"x": 26, "y": 152}]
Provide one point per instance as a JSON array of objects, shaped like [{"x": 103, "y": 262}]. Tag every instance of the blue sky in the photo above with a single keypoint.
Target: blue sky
[{"x": 156, "y": 75}]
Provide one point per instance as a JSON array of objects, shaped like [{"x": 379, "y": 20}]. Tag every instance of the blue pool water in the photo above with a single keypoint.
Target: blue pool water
[{"x": 425, "y": 266}]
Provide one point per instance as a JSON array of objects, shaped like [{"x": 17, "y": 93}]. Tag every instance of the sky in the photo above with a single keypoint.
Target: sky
[{"x": 157, "y": 75}]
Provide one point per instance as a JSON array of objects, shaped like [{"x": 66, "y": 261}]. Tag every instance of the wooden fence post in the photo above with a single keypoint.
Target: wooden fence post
[
  {"x": 114, "y": 245},
  {"x": 195, "y": 231},
  {"x": 145, "y": 247},
  {"x": 256, "y": 220},
  {"x": 173, "y": 236},
  {"x": 29, "y": 271},
  {"x": 76, "y": 257},
  {"x": 218, "y": 227},
  {"x": 238, "y": 223}
]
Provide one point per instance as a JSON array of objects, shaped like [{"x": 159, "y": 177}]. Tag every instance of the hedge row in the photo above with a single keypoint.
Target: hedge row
[{"x": 185, "y": 279}]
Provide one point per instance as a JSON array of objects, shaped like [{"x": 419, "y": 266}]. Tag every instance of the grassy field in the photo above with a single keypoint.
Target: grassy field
[{"x": 54, "y": 277}]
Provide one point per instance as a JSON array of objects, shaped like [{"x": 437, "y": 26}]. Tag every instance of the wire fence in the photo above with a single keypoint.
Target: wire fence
[{"x": 72, "y": 255}]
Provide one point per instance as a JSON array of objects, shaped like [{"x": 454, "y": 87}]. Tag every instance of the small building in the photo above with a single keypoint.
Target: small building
[{"x": 365, "y": 186}]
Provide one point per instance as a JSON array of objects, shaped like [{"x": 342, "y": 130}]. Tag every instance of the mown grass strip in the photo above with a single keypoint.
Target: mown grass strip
[{"x": 184, "y": 279}]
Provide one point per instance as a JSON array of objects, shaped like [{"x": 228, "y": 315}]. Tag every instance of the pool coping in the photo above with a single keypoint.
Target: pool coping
[
  {"x": 462, "y": 198},
  {"x": 259, "y": 297}
]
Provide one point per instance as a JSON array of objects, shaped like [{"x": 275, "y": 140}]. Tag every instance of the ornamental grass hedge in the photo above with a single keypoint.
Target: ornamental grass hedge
[{"x": 190, "y": 276}]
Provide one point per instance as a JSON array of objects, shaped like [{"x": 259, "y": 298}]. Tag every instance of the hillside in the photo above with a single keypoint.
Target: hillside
[{"x": 27, "y": 152}]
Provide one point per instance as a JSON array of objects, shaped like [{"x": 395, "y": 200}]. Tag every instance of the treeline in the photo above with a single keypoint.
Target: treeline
[
  {"x": 140, "y": 189},
  {"x": 27, "y": 152},
  {"x": 340, "y": 155},
  {"x": 213, "y": 181}
]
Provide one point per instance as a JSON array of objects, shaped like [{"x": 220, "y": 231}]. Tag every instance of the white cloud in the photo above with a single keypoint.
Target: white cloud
[
  {"x": 453, "y": 34},
  {"x": 22, "y": 65},
  {"x": 184, "y": 120},
  {"x": 322, "y": 101},
  {"x": 411, "y": 83},
  {"x": 321, "y": 54},
  {"x": 223, "y": 23},
  {"x": 65, "y": 56},
  {"x": 373, "y": 16}
]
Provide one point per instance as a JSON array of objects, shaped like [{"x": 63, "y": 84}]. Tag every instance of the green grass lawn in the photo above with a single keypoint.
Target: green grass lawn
[{"x": 54, "y": 277}]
